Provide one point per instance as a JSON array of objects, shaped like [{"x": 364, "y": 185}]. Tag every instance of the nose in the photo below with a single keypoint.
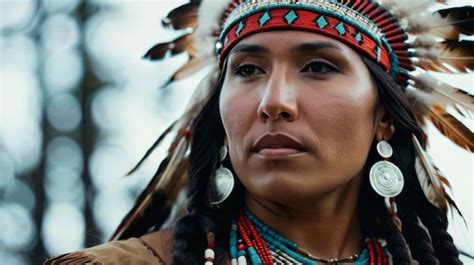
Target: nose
[{"x": 278, "y": 99}]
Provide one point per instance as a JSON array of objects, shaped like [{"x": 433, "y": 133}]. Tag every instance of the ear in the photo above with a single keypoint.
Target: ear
[
  {"x": 226, "y": 143},
  {"x": 384, "y": 128}
]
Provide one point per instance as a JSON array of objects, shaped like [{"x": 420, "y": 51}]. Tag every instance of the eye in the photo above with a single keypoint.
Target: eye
[
  {"x": 319, "y": 67},
  {"x": 247, "y": 70}
]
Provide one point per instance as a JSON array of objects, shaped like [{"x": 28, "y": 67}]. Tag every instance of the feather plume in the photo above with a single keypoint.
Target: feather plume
[
  {"x": 182, "y": 17},
  {"x": 453, "y": 129},
  {"x": 420, "y": 102},
  {"x": 209, "y": 16},
  {"x": 445, "y": 94},
  {"x": 424, "y": 41},
  {"x": 193, "y": 65},
  {"x": 158, "y": 182},
  {"x": 461, "y": 18},
  {"x": 184, "y": 43},
  {"x": 456, "y": 55},
  {"x": 447, "y": 24},
  {"x": 152, "y": 148},
  {"x": 429, "y": 179},
  {"x": 403, "y": 9}
]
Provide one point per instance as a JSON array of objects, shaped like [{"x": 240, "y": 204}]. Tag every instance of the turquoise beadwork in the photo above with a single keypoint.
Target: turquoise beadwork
[
  {"x": 276, "y": 243},
  {"x": 340, "y": 28},
  {"x": 322, "y": 22},
  {"x": 240, "y": 28},
  {"x": 264, "y": 19},
  {"x": 291, "y": 17}
]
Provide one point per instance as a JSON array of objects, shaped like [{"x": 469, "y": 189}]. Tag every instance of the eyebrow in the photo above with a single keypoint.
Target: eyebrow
[
  {"x": 304, "y": 47},
  {"x": 249, "y": 48},
  {"x": 314, "y": 46}
]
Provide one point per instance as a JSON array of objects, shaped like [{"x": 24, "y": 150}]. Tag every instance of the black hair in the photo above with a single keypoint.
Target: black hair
[{"x": 423, "y": 237}]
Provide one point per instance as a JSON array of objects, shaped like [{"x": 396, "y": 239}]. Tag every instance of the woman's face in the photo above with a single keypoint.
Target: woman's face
[{"x": 298, "y": 109}]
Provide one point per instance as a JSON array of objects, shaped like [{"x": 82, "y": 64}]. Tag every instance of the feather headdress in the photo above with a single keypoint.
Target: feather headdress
[{"x": 406, "y": 38}]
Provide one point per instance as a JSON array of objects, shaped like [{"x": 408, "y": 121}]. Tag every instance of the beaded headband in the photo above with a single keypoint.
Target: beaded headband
[
  {"x": 406, "y": 38},
  {"x": 324, "y": 17}
]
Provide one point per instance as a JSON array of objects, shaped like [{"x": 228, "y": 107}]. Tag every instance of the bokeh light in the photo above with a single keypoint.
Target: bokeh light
[
  {"x": 58, "y": 220},
  {"x": 18, "y": 228},
  {"x": 54, "y": 6},
  {"x": 7, "y": 167},
  {"x": 64, "y": 112},
  {"x": 20, "y": 193},
  {"x": 64, "y": 152},
  {"x": 16, "y": 13},
  {"x": 67, "y": 65}
]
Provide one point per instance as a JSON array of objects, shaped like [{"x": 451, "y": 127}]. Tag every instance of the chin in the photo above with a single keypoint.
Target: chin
[
  {"x": 285, "y": 188},
  {"x": 281, "y": 188}
]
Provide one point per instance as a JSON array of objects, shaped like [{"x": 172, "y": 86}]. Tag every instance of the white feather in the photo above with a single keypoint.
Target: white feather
[
  {"x": 428, "y": 178},
  {"x": 427, "y": 54},
  {"x": 422, "y": 22},
  {"x": 419, "y": 100},
  {"x": 425, "y": 183},
  {"x": 209, "y": 16},
  {"x": 403, "y": 9},
  {"x": 424, "y": 41},
  {"x": 425, "y": 98},
  {"x": 443, "y": 93}
]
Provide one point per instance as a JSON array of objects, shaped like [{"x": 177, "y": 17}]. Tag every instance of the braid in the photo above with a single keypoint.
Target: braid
[
  {"x": 189, "y": 241},
  {"x": 190, "y": 235},
  {"x": 437, "y": 223},
  {"x": 415, "y": 234},
  {"x": 398, "y": 247},
  {"x": 419, "y": 241}
]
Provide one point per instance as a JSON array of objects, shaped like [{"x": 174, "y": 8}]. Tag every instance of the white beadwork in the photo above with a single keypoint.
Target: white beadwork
[
  {"x": 209, "y": 254},
  {"x": 208, "y": 263},
  {"x": 233, "y": 262},
  {"x": 241, "y": 261}
]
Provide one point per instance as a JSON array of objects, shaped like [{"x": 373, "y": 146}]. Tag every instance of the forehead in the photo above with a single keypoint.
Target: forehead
[{"x": 286, "y": 40}]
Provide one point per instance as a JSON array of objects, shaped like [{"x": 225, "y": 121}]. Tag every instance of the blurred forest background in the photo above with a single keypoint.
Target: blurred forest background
[{"x": 79, "y": 107}]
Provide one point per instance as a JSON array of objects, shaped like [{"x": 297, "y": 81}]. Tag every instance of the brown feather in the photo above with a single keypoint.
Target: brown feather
[
  {"x": 184, "y": 43},
  {"x": 447, "y": 57},
  {"x": 159, "y": 181},
  {"x": 447, "y": 23},
  {"x": 453, "y": 129},
  {"x": 182, "y": 17},
  {"x": 459, "y": 55},
  {"x": 432, "y": 65},
  {"x": 193, "y": 65},
  {"x": 158, "y": 51},
  {"x": 152, "y": 148},
  {"x": 461, "y": 18}
]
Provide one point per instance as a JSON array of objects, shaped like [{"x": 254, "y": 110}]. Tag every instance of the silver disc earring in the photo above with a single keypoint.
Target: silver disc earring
[
  {"x": 223, "y": 178},
  {"x": 385, "y": 177}
]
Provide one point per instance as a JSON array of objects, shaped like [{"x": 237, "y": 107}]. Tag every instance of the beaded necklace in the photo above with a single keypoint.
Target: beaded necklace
[{"x": 254, "y": 242}]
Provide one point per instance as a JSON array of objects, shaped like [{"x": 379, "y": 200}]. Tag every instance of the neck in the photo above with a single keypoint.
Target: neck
[{"x": 328, "y": 227}]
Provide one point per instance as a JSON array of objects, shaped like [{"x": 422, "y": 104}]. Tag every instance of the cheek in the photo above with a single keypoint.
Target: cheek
[
  {"x": 343, "y": 122},
  {"x": 238, "y": 115}
]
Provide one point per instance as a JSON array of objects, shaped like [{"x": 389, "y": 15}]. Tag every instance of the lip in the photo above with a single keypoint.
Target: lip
[{"x": 277, "y": 145}]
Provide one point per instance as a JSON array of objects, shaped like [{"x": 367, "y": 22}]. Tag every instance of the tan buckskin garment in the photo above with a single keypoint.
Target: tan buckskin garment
[{"x": 132, "y": 251}]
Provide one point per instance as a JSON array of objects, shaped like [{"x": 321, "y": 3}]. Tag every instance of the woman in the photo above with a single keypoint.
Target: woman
[{"x": 304, "y": 143}]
